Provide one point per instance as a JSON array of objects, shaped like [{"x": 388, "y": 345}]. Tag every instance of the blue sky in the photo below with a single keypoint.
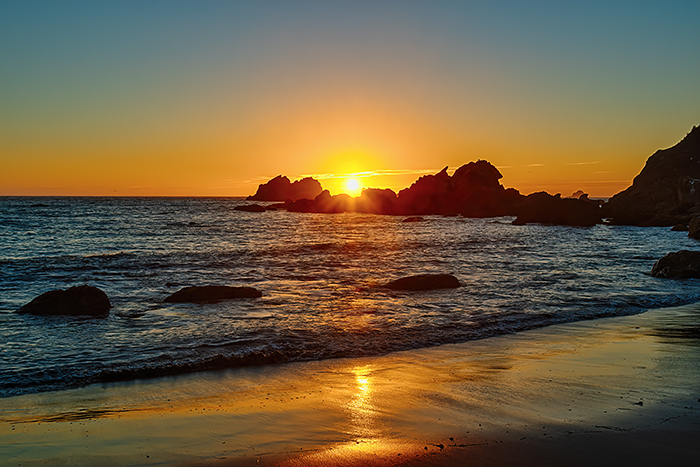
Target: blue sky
[{"x": 211, "y": 97}]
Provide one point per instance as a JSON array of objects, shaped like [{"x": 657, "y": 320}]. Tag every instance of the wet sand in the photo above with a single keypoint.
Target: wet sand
[{"x": 616, "y": 391}]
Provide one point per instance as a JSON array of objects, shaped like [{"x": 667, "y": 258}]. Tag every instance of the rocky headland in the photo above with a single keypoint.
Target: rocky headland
[{"x": 667, "y": 190}]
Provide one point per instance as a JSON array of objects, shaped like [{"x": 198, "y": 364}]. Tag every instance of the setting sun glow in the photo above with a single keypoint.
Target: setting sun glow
[{"x": 353, "y": 187}]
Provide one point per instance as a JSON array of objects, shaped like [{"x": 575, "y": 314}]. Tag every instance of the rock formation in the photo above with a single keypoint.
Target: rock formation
[
  {"x": 473, "y": 190},
  {"x": 680, "y": 264},
  {"x": 543, "y": 208},
  {"x": 76, "y": 301},
  {"x": 211, "y": 293},
  {"x": 281, "y": 189},
  {"x": 667, "y": 190},
  {"x": 424, "y": 282}
]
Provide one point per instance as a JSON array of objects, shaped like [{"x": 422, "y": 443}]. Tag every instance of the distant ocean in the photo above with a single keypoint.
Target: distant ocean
[{"x": 319, "y": 275}]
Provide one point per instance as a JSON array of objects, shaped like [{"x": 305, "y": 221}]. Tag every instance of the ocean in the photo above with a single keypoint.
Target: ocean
[{"x": 320, "y": 275}]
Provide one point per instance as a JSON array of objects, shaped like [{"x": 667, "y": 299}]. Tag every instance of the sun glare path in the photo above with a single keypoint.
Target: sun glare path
[{"x": 353, "y": 187}]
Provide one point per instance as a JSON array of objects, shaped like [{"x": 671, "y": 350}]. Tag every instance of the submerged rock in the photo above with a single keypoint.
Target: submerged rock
[
  {"x": 83, "y": 300},
  {"x": 250, "y": 208},
  {"x": 211, "y": 293},
  {"x": 414, "y": 219},
  {"x": 424, "y": 282},
  {"x": 679, "y": 264}
]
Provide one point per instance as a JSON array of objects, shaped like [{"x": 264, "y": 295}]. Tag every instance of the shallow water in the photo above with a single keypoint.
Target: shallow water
[{"x": 318, "y": 274}]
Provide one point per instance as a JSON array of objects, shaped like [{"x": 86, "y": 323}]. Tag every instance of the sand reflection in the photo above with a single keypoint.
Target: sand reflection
[{"x": 361, "y": 409}]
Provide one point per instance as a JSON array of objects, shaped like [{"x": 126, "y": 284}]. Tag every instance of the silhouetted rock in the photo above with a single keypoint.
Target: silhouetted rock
[
  {"x": 680, "y": 264},
  {"x": 473, "y": 190},
  {"x": 250, "y": 208},
  {"x": 413, "y": 219},
  {"x": 680, "y": 228},
  {"x": 667, "y": 190},
  {"x": 211, "y": 293},
  {"x": 281, "y": 189},
  {"x": 377, "y": 201},
  {"x": 333, "y": 204},
  {"x": 427, "y": 195},
  {"x": 694, "y": 228},
  {"x": 301, "y": 205},
  {"x": 578, "y": 194},
  {"x": 76, "y": 301},
  {"x": 424, "y": 282},
  {"x": 543, "y": 208}
]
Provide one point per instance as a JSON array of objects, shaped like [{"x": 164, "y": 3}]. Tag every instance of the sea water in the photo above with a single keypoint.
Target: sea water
[{"x": 320, "y": 275}]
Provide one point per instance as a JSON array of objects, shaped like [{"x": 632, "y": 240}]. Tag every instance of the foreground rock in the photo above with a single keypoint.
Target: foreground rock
[
  {"x": 543, "y": 208},
  {"x": 424, "y": 282},
  {"x": 694, "y": 228},
  {"x": 667, "y": 190},
  {"x": 83, "y": 300},
  {"x": 281, "y": 189},
  {"x": 211, "y": 293},
  {"x": 680, "y": 264}
]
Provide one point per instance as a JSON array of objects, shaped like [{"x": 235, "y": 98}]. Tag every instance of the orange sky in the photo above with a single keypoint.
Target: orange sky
[{"x": 171, "y": 98}]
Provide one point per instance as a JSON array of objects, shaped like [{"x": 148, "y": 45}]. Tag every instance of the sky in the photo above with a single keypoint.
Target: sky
[{"x": 212, "y": 98}]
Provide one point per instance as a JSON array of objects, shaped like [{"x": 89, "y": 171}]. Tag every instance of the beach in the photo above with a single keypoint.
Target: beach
[{"x": 612, "y": 391}]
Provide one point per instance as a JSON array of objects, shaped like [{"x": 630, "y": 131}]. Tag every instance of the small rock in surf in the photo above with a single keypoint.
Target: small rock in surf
[
  {"x": 211, "y": 293},
  {"x": 424, "y": 282}
]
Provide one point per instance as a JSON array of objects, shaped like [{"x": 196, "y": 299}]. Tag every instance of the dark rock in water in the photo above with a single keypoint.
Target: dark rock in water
[
  {"x": 281, "y": 189},
  {"x": 473, "y": 190},
  {"x": 667, "y": 190},
  {"x": 76, "y": 301},
  {"x": 377, "y": 201},
  {"x": 694, "y": 228},
  {"x": 680, "y": 264},
  {"x": 211, "y": 293},
  {"x": 250, "y": 208},
  {"x": 39, "y": 205},
  {"x": 424, "y": 282},
  {"x": 413, "y": 219},
  {"x": 543, "y": 208},
  {"x": 680, "y": 228}
]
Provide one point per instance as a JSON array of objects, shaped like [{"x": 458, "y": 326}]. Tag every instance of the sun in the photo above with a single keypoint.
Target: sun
[{"x": 353, "y": 187}]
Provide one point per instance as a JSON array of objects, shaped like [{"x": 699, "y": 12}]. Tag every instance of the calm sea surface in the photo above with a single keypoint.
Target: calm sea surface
[{"x": 318, "y": 274}]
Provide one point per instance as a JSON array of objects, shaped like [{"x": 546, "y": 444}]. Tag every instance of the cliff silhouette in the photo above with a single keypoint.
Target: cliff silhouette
[{"x": 667, "y": 190}]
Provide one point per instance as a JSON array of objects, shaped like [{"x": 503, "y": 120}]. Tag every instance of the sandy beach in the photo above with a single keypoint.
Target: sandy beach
[{"x": 614, "y": 391}]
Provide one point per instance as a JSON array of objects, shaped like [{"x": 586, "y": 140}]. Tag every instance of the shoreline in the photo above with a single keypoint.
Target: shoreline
[{"x": 611, "y": 391}]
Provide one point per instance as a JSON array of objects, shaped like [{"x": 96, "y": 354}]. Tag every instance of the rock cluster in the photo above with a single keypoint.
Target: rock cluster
[{"x": 543, "y": 208}]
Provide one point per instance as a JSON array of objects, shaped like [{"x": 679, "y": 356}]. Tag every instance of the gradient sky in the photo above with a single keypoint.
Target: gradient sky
[{"x": 214, "y": 97}]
